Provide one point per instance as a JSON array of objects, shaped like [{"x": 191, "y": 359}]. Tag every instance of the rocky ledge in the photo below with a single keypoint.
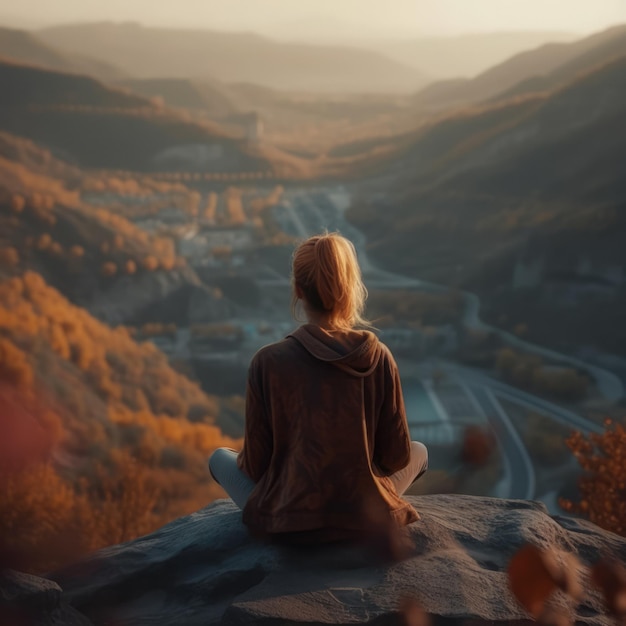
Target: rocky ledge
[{"x": 206, "y": 569}]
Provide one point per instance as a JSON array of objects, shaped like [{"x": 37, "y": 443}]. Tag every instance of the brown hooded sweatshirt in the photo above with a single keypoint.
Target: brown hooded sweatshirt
[{"x": 325, "y": 426}]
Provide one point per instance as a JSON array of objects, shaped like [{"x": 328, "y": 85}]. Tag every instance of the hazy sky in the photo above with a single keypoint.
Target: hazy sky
[{"x": 369, "y": 17}]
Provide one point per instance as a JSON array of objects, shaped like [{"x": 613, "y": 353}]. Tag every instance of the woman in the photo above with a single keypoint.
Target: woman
[{"x": 327, "y": 451}]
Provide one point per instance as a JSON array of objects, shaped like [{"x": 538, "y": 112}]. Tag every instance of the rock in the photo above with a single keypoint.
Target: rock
[
  {"x": 206, "y": 569},
  {"x": 28, "y": 600}
]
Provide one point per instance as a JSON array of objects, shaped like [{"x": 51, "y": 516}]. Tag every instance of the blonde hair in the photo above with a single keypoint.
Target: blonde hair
[{"x": 327, "y": 272}]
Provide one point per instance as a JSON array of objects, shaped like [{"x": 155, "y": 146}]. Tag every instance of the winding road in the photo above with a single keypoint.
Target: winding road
[
  {"x": 309, "y": 212},
  {"x": 300, "y": 203}
]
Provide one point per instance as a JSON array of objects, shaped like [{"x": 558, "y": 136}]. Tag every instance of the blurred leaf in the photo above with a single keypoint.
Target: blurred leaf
[
  {"x": 531, "y": 578},
  {"x": 478, "y": 444},
  {"x": 610, "y": 577},
  {"x": 412, "y": 613}
]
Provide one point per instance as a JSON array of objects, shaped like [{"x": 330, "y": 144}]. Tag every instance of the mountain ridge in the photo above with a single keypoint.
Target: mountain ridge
[
  {"x": 525, "y": 66},
  {"x": 233, "y": 57},
  {"x": 24, "y": 46}
]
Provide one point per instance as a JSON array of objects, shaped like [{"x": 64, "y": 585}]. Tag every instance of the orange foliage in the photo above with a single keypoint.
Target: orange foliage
[
  {"x": 155, "y": 329},
  {"x": 64, "y": 521},
  {"x": 56, "y": 248},
  {"x": 128, "y": 186},
  {"x": 17, "y": 203},
  {"x": 114, "y": 401},
  {"x": 39, "y": 191},
  {"x": 603, "y": 485},
  {"x": 150, "y": 264},
  {"x": 9, "y": 257},
  {"x": 535, "y": 574},
  {"x": 44, "y": 241},
  {"x": 610, "y": 577},
  {"x": 478, "y": 446},
  {"x": 77, "y": 251},
  {"x": 109, "y": 269},
  {"x": 14, "y": 366},
  {"x": 548, "y": 571},
  {"x": 198, "y": 436},
  {"x": 211, "y": 206},
  {"x": 234, "y": 206},
  {"x": 130, "y": 266}
]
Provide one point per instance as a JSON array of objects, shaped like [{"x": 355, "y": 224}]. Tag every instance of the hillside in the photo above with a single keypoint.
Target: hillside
[
  {"x": 96, "y": 257},
  {"x": 27, "y": 85},
  {"x": 526, "y": 66},
  {"x": 234, "y": 57},
  {"x": 25, "y": 47},
  {"x": 610, "y": 48},
  {"x": 91, "y": 125},
  {"x": 100, "y": 439},
  {"x": 465, "y": 55},
  {"x": 210, "y": 98},
  {"x": 535, "y": 181}
]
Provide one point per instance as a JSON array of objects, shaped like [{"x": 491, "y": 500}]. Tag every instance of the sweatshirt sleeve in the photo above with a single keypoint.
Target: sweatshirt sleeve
[
  {"x": 256, "y": 453},
  {"x": 392, "y": 442}
]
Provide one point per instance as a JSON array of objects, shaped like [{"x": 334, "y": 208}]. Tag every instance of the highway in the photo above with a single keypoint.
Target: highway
[{"x": 518, "y": 466}]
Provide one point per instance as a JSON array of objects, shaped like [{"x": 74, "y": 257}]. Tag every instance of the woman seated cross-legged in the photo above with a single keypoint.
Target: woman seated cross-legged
[{"x": 327, "y": 450}]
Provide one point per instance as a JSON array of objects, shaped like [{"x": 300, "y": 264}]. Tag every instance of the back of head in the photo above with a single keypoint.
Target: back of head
[{"x": 327, "y": 272}]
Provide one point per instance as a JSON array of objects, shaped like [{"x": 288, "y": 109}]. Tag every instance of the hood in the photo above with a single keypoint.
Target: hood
[{"x": 356, "y": 351}]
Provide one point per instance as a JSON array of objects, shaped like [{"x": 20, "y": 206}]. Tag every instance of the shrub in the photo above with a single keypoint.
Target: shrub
[{"x": 603, "y": 485}]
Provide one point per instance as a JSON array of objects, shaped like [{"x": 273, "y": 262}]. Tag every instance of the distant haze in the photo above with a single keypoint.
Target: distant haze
[{"x": 349, "y": 18}]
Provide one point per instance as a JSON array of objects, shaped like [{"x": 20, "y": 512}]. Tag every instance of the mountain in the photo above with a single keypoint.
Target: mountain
[
  {"x": 84, "y": 122},
  {"x": 325, "y": 29},
  {"x": 31, "y": 86},
  {"x": 206, "y": 96},
  {"x": 464, "y": 55},
  {"x": 542, "y": 61},
  {"x": 234, "y": 57},
  {"x": 610, "y": 47},
  {"x": 538, "y": 180},
  {"x": 25, "y": 47}
]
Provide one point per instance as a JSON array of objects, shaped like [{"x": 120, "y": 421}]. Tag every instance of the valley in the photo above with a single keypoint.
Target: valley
[
  {"x": 154, "y": 182},
  {"x": 438, "y": 411}
]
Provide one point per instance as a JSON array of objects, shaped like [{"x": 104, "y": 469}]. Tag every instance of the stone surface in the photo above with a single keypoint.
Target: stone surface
[
  {"x": 27, "y": 600},
  {"x": 205, "y": 569}
]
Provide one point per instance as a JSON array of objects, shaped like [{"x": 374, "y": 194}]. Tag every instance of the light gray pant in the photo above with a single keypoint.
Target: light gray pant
[{"x": 239, "y": 486}]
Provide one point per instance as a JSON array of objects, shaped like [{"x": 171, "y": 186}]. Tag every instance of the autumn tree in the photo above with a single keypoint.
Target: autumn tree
[
  {"x": 44, "y": 241},
  {"x": 9, "y": 256},
  {"x": 211, "y": 206},
  {"x": 150, "y": 264},
  {"x": 109, "y": 269},
  {"x": 234, "y": 206},
  {"x": 17, "y": 203},
  {"x": 128, "y": 420},
  {"x": 602, "y": 486}
]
